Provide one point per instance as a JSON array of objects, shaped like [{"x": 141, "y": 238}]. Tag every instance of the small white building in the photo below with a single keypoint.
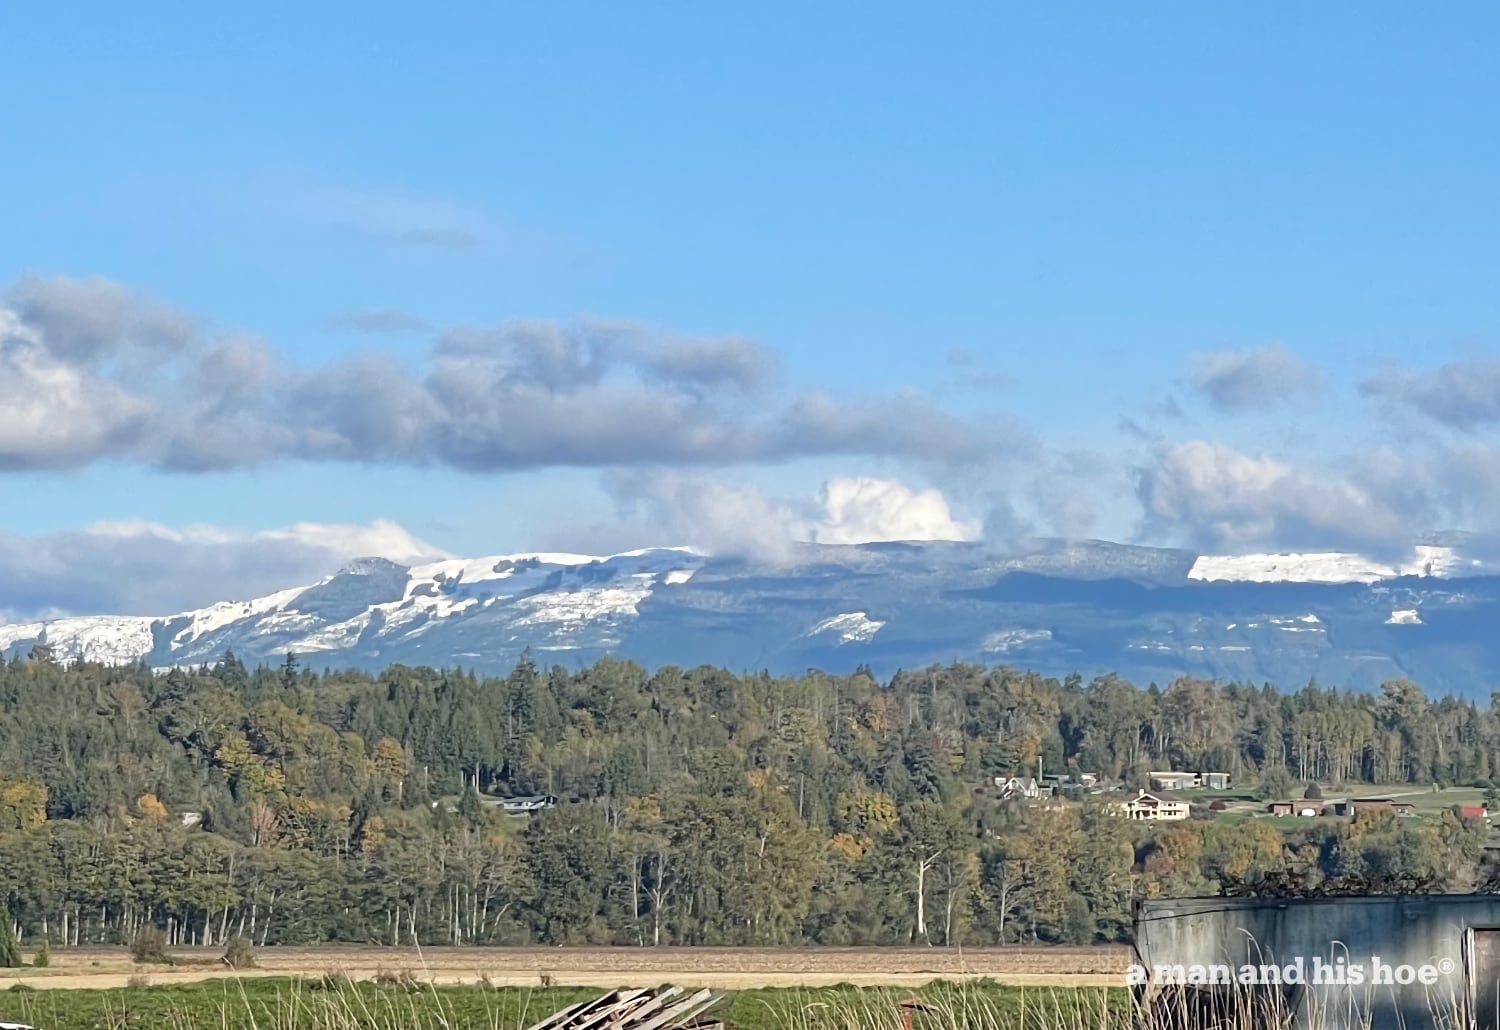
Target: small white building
[
  {"x": 1014, "y": 787},
  {"x": 528, "y": 805},
  {"x": 1173, "y": 780},
  {"x": 1188, "y": 780}
]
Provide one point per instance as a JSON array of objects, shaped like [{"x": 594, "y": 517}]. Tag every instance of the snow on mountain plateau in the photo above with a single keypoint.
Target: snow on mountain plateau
[
  {"x": 1059, "y": 607},
  {"x": 557, "y": 590},
  {"x": 1330, "y": 567}
]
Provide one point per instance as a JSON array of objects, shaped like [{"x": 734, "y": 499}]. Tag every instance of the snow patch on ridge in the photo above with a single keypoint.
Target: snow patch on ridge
[
  {"x": 1299, "y": 624},
  {"x": 332, "y": 638},
  {"x": 1329, "y": 567},
  {"x": 111, "y": 639},
  {"x": 588, "y": 603},
  {"x": 226, "y": 613},
  {"x": 1003, "y": 641},
  {"x": 851, "y": 627}
]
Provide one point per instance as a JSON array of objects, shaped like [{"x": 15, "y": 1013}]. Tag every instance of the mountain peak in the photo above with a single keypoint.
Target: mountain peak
[
  {"x": 1057, "y": 607},
  {"x": 371, "y": 566}
]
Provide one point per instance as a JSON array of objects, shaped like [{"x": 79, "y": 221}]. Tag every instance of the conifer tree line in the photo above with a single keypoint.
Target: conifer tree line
[{"x": 697, "y": 807}]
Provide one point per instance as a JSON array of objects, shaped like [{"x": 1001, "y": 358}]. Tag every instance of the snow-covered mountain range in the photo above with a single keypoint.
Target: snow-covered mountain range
[{"x": 1058, "y": 607}]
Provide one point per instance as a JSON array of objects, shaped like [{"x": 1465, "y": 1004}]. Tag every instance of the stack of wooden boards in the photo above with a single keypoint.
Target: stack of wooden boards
[{"x": 661, "y": 1008}]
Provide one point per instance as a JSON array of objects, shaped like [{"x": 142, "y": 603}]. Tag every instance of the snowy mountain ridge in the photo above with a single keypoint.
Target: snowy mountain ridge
[
  {"x": 434, "y": 590},
  {"x": 1331, "y": 567},
  {"x": 1055, "y": 606}
]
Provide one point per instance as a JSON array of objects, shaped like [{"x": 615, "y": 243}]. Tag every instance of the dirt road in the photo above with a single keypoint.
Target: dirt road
[{"x": 723, "y": 968}]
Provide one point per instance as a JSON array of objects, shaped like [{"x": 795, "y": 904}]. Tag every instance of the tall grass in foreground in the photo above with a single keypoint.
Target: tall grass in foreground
[
  {"x": 1309, "y": 1007},
  {"x": 403, "y": 1003},
  {"x": 1229, "y": 1007},
  {"x": 943, "y": 1007},
  {"x": 329, "y": 1003}
]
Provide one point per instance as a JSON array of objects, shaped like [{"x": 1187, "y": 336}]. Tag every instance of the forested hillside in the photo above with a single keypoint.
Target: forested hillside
[{"x": 698, "y": 807}]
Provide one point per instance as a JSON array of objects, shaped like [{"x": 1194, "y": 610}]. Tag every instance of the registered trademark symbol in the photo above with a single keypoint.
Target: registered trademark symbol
[{"x": 1445, "y": 966}]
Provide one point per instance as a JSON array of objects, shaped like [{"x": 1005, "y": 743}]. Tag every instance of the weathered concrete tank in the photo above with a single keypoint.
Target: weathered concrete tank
[{"x": 1409, "y": 962}]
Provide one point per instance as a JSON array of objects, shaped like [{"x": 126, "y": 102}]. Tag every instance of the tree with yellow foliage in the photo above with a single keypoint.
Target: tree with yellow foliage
[
  {"x": 23, "y": 804},
  {"x": 868, "y": 812},
  {"x": 389, "y": 765},
  {"x": 150, "y": 808}
]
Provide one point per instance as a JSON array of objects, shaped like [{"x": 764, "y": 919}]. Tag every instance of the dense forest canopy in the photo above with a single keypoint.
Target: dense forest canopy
[{"x": 698, "y": 807}]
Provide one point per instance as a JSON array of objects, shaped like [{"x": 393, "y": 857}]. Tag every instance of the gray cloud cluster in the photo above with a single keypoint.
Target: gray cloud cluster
[
  {"x": 1254, "y": 378},
  {"x": 90, "y": 372},
  {"x": 1462, "y": 395},
  {"x": 89, "y": 320}
]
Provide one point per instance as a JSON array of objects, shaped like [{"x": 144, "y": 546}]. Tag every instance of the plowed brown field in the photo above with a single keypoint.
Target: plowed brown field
[{"x": 723, "y": 968}]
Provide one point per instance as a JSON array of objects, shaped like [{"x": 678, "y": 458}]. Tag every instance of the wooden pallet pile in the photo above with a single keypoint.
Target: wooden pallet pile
[{"x": 662, "y": 1008}]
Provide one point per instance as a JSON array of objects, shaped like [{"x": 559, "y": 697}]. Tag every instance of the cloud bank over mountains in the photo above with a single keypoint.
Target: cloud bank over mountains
[
  {"x": 94, "y": 373},
  {"x": 1213, "y": 497},
  {"x": 724, "y": 517},
  {"x": 142, "y": 568},
  {"x": 90, "y": 372}
]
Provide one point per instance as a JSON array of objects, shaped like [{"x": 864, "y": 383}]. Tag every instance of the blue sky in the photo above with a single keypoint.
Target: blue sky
[{"x": 1192, "y": 275}]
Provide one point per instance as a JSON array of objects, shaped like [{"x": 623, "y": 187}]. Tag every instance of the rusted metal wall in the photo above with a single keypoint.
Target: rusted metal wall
[{"x": 1451, "y": 940}]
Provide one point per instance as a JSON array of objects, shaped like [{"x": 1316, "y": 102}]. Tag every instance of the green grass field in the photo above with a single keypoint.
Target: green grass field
[
  {"x": 1429, "y": 800},
  {"x": 336, "y": 1004},
  {"x": 1427, "y": 803},
  {"x": 1424, "y": 800}
]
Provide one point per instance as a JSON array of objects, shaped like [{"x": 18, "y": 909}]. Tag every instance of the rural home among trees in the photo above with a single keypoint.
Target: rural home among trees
[{"x": 1159, "y": 807}]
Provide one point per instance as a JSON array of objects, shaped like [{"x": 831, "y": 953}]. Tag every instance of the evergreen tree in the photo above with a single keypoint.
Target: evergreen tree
[
  {"x": 698, "y": 807},
  {"x": 10, "y": 948}
]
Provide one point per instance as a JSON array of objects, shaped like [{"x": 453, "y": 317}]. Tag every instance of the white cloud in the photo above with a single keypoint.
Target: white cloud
[
  {"x": 674, "y": 508},
  {"x": 724, "y": 518},
  {"x": 145, "y": 568},
  {"x": 1210, "y": 495},
  {"x": 52, "y": 412},
  {"x": 380, "y": 539},
  {"x": 862, "y": 511}
]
